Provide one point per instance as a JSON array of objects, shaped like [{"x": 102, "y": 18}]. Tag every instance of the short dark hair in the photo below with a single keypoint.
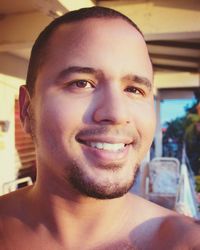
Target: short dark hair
[{"x": 39, "y": 48}]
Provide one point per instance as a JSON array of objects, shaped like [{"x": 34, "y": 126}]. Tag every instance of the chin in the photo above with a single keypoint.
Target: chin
[{"x": 90, "y": 187}]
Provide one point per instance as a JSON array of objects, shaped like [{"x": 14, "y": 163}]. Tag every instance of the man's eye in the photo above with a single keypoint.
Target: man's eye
[
  {"x": 134, "y": 90},
  {"x": 82, "y": 84}
]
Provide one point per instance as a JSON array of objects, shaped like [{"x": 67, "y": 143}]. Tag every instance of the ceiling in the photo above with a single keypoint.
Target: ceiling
[
  {"x": 176, "y": 55},
  {"x": 171, "y": 28}
]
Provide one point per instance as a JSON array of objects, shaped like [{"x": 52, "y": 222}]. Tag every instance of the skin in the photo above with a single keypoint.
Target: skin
[{"x": 111, "y": 101}]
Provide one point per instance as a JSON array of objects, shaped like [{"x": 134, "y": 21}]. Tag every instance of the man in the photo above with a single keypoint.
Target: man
[{"x": 88, "y": 104}]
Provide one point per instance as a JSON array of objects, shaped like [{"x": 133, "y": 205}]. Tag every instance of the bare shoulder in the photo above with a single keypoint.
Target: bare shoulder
[
  {"x": 12, "y": 207},
  {"x": 160, "y": 228},
  {"x": 182, "y": 231},
  {"x": 147, "y": 210},
  {"x": 14, "y": 215},
  {"x": 10, "y": 203}
]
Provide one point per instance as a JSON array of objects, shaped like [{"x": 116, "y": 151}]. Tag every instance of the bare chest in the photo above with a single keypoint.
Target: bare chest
[{"x": 36, "y": 241}]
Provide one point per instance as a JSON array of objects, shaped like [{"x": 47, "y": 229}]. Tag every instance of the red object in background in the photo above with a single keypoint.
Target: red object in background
[
  {"x": 198, "y": 126},
  {"x": 198, "y": 108}
]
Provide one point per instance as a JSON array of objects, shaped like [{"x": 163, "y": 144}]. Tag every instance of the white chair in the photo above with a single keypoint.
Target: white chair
[{"x": 162, "y": 182}]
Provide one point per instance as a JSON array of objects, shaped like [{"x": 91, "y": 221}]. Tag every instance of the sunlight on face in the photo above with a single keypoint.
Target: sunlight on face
[{"x": 94, "y": 116}]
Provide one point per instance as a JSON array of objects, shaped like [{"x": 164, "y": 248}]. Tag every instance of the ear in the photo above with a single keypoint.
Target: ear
[{"x": 24, "y": 104}]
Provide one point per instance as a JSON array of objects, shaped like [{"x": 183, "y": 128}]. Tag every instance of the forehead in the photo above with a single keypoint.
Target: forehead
[
  {"x": 98, "y": 43},
  {"x": 98, "y": 24},
  {"x": 96, "y": 31}
]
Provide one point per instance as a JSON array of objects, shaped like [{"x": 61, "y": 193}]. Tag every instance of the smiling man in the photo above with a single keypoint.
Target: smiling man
[{"x": 88, "y": 104}]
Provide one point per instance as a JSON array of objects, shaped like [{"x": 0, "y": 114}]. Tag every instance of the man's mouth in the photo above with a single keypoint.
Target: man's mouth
[
  {"x": 114, "y": 147},
  {"x": 107, "y": 146},
  {"x": 106, "y": 150}
]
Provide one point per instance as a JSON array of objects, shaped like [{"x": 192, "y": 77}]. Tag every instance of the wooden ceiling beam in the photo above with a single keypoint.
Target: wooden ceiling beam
[
  {"x": 175, "y": 57},
  {"x": 176, "y": 68},
  {"x": 176, "y": 44}
]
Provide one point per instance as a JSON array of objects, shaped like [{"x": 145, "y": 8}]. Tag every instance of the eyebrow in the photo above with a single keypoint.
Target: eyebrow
[
  {"x": 89, "y": 70},
  {"x": 140, "y": 80},
  {"x": 77, "y": 69}
]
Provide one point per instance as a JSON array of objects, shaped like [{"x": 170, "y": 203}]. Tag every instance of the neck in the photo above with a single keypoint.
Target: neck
[{"x": 70, "y": 213}]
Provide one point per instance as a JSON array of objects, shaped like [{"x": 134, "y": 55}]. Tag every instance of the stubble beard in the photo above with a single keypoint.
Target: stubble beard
[{"x": 107, "y": 190}]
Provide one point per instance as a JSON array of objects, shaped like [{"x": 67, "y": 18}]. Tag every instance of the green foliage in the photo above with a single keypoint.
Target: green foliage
[
  {"x": 175, "y": 129},
  {"x": 197, "y": 182},
  {"x": 191, "y": 133},
  {"x": 184, "y": 130}
]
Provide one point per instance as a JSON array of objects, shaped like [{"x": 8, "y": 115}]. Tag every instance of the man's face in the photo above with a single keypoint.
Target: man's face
[{"x": 93, "y": 107}]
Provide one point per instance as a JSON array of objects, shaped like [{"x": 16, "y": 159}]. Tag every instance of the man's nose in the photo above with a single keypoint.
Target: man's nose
[{"x": 112, "y": 107}]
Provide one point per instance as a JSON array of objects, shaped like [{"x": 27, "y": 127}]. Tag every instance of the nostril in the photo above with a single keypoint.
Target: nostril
[{"x": 110, "y": 117}]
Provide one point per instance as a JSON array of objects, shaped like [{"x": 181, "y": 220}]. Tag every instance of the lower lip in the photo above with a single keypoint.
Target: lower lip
[{"x": 106, "y": 156}]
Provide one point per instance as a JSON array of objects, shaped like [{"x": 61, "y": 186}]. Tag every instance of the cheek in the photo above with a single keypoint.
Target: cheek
[
  {"x": 145, "y": 125},
  {"x": 145, "y": 121},
  {"x": 57, "y": 123},
  {"x": 60, "y": 115}
]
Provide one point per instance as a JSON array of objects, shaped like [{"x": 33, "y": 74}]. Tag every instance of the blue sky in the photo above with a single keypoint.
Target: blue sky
[{"x": 171, "y": 109}]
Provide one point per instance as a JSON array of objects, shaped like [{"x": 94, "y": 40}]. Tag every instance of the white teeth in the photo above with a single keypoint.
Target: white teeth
[{"x": 107, "y": 146}]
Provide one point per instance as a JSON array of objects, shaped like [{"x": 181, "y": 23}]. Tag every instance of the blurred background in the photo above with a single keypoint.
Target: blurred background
[{"x": 172, "y": 31}]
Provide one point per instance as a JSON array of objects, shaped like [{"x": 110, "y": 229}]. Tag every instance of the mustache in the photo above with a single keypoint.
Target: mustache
[{"x": 108, "y": 130}]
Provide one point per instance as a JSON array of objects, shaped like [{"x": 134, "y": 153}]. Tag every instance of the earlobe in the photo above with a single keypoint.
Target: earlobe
[{"x": 24, "y": 103}]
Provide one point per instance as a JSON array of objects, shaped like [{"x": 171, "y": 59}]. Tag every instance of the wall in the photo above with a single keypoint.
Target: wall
[{"x": 8, "y": 93}]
